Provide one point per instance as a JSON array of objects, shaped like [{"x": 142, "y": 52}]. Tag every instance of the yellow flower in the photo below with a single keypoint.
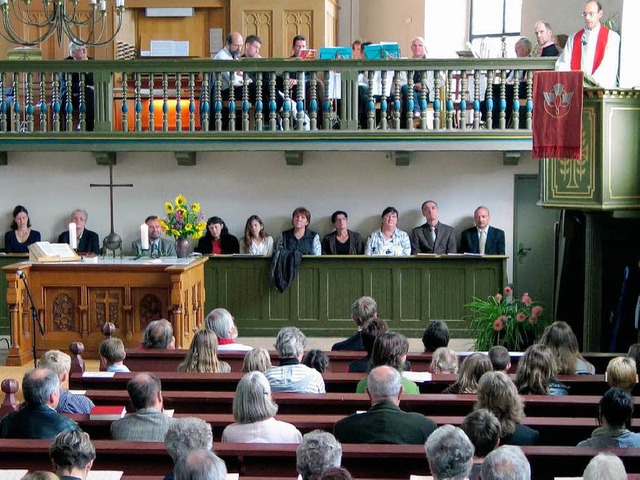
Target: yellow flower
[
  {"x": 188, "y": 227},
  {"x": 180, "y": 200},
  {"x": 168, "y": 207},
  {"x": 175, "y": 232},
  {"x": 164, "y": 225},
  {"x": 195, "y": 208}
]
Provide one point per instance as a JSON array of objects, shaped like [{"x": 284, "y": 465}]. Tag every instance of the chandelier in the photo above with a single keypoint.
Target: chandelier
[{"x": 62, "y": 18}]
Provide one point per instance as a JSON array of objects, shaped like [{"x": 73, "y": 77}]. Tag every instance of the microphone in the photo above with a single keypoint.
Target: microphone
[
  {"x": 584, "y": 39},
  {"x": 20, "y": 274}
]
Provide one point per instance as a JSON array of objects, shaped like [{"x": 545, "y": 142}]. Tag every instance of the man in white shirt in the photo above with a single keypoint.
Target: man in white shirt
[{"x": 595, "y": 49}]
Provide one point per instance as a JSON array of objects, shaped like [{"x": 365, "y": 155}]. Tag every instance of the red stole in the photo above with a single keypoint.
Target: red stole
[{"x": 576, "y": 53}]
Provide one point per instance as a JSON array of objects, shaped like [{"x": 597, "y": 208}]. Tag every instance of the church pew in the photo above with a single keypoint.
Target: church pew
[
  {"x": 277, "y": 460},
  {"x": 567, "y": 431},
  {"x": 347, "y": 403},
  {"x": 334, "y": 382},
  {"x": 168, "y": 360}
]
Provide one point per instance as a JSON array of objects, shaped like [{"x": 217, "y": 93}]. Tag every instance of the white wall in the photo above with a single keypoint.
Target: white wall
[{"x": 237, "y": 185}]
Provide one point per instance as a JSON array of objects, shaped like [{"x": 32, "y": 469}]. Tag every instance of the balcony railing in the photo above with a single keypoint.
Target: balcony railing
[{"x": 270, "y": 99}]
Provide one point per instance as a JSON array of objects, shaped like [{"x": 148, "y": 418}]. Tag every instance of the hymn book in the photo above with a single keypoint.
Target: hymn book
[
  {"x": 52, "y": 252},
  {"x": 107, "y": 412}
]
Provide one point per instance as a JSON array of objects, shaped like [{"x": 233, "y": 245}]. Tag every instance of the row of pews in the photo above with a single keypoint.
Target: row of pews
[{"x": 562, "y": 422}]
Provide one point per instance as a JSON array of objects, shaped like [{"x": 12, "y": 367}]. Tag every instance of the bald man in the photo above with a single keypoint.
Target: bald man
[
  {"x": 482, "y": 238},
  {"x": 595, "y": 49},
  {"x": 544, "y": 36}
]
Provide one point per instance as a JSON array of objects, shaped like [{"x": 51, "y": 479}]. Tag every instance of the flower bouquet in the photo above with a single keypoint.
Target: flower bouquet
[
  {"x": 183, "y": 220},
  {"x": 502, "y": 319}
]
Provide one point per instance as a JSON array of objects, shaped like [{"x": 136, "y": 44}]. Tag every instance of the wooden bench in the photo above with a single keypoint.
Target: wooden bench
[
  {"x": 168, "y": 360},
  {"x": 567, "y": 431},
  {"x": 334, "y": 382},
  {"x": 277, "y": 460}
]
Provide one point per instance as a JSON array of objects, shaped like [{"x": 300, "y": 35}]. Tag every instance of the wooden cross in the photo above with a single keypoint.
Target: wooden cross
[{"x": 112, "y": 238}]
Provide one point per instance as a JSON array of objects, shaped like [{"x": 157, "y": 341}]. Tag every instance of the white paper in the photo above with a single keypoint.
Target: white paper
[
  {"x": 417, "y": 377},
  {"x": 12, "y": 474},
  {"x": 169, "y": 48},
  {"x": 104, "y": 475},
  {"x": 78, "y": 392},
  {"x": 98, "y": 374}
]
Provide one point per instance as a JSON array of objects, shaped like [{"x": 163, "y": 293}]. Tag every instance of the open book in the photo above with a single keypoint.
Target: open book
[{"x": 52, "y": 252}]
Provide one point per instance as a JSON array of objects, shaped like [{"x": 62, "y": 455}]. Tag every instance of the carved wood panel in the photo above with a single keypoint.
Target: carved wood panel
[
  {"x": 260, "y": 23},
  {"x": 61, "y": 312},
  {"x": 149, "y": 304}
]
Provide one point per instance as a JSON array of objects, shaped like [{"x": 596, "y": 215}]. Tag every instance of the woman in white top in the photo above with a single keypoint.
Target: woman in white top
[
  {"x": 256, "y": 241},
  {"x": 253, "y": 410}
]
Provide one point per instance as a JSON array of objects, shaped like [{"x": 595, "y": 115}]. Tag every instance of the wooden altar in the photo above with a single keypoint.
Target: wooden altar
[{"x": 75, "y": 300}]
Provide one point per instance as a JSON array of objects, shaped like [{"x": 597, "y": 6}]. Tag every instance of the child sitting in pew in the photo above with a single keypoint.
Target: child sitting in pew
[{"x": 112, "y": 354}]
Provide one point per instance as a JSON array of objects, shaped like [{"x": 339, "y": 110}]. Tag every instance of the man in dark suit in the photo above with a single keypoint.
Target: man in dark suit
[
  {"x": 38, "y": 417},
  {"x": 384, "y": 422},
  {"x": 482, "y": 238},
  {"x": 433, "y": 236},
  {"x": 88, "y": 241},
  {"x": 362, "y": 310},
  {"x": 544, "y": 36}
]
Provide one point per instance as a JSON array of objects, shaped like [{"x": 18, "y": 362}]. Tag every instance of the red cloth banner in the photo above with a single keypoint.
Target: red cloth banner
[{"x": 557, "y": 115}]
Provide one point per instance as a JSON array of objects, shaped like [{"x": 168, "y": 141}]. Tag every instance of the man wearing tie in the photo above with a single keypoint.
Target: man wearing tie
[
  {"x": 158, "y": 246},
  {"x": 482, "y": 238},
  {"x": 433, "y": 236},
  {"x": 594, "y": 49}
]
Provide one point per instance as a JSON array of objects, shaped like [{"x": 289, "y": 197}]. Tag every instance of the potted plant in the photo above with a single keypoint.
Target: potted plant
[{"x": 504, "y": 319}]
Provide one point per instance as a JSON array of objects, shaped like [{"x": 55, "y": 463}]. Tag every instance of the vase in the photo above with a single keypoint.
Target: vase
[{"x": 182, "y": 247}]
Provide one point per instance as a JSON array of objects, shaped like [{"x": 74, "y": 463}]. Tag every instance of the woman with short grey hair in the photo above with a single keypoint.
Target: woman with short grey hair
[
  {"x": 254, "y": 411},
  {"x": 221, "y": 322}
]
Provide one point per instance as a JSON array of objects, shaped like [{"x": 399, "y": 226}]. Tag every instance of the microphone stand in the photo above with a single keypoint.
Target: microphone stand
[{"x": 35, "y": 317}]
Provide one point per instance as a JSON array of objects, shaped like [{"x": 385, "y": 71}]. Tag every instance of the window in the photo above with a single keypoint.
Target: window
[{"x": 490, "y": 21}]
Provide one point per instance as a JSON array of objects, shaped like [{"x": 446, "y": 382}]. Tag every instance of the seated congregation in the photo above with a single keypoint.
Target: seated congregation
[{"x": 494, "y": 424}]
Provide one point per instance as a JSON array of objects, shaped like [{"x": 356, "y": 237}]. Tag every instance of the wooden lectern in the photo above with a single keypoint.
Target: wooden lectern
[{"x": 76, "y": 299}]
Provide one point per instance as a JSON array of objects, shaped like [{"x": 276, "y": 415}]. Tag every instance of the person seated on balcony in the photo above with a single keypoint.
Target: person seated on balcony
[
  {"x": 357, "y": 51},
  {"x": 18, "y": 239},
  {"x": 388, "y": 239},
  {"x": 342, "y": 241},
  {"x": 78, "y": 52},
  {"x": 217, "y": 240},
  {"x": 300, "y": 238},
  {"x": 87, "y": 241},
  {"x": 158, "y": 246},
  {"x": 418, "y": 52},
  {"x": 614, "y": 417},
  {"x": 544, "y": 36},
  {"x": 362, "y": 310},
  {"x": 230, "y": 82}
]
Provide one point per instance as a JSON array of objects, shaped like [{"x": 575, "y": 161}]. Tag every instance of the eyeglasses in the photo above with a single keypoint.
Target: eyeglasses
[{"x": 588, "y": 14}]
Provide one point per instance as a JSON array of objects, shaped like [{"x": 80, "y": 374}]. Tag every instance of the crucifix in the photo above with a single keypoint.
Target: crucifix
[{"x": 111, "y": 242}]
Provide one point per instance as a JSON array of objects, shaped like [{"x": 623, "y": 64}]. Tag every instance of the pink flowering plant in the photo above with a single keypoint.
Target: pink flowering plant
[{"x": 505, "y": 319}]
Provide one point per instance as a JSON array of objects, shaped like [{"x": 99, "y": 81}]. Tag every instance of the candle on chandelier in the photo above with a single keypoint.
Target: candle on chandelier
[
  {"x": 103, "y": 5},
  {"x": 119, "y": 3},
  {"x": 144, "y": 236},
  {"x": 93, "y": 2}
]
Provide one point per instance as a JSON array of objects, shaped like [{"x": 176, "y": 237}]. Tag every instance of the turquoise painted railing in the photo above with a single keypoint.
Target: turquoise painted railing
[{"x": 190, "y": 97}]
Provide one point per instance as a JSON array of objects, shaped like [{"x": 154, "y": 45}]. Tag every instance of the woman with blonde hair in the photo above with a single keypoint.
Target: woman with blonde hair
[
  {"x": 498, "y": 394},
  {"x": 472, "y": 368},
  {"x": 256, "y": 360},
  {"x": 621, "y": 373},
  {"x": 536, "y": 373},
  {"x": 256, "y": 241},
  {"x": 254, "y": 411},
  {"x": 444, "y": 360},
  {"x": 564, "y": 345},
  {"x": 202, "y": 356}
]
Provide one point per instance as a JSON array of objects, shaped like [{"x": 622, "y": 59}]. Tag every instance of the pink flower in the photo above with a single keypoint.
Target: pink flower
[
  {"x": 537, "y": 311},
  {"x": 497, "y": 325},
  {"x": 521, "y": 317},
  {"x": 533, "y": 319},
  {"x": 508, "y": 290},
  {"x": 503, "y": 318},
  {"x": 498, "y": 297},
  {"x": 526, "y": 299}
]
